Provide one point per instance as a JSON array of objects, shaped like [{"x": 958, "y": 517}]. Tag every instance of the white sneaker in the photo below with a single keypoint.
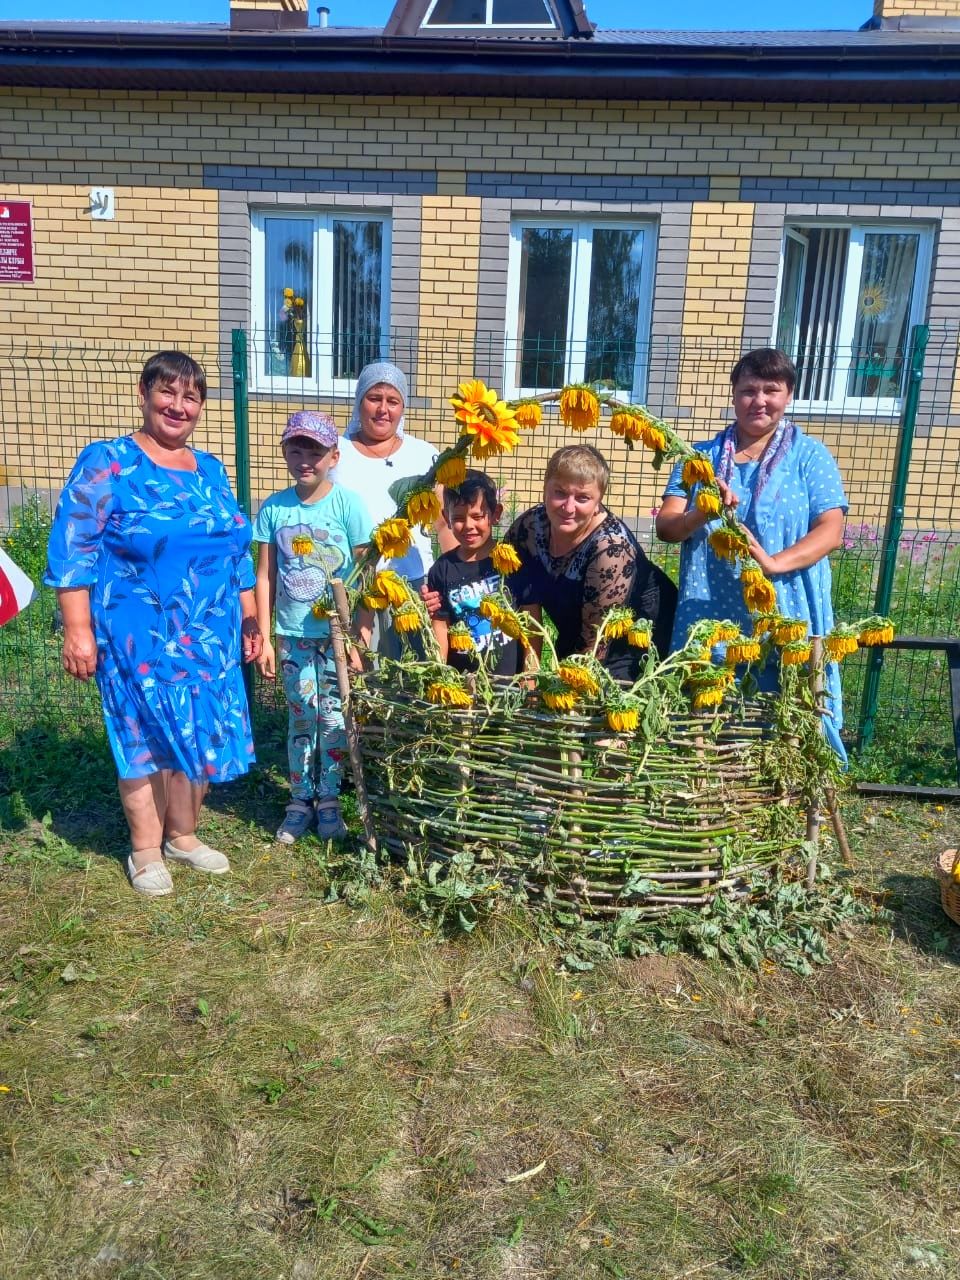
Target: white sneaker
[{"x": 202, "y": 858}]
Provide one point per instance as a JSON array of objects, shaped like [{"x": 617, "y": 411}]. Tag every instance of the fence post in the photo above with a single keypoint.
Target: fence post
[
  {"x": 894, "y": 527},
  {"x": 241, "y": 417}
]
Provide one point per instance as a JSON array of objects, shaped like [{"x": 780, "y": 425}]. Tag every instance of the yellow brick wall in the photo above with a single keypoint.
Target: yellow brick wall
[
  {"x": 916, "y": 8},
  {"x": 449, "y": 277},
  {"x": 151, "y": 276}
]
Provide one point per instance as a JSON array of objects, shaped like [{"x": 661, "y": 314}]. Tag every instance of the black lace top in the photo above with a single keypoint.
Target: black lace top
[{"x": 608, "y": 568}]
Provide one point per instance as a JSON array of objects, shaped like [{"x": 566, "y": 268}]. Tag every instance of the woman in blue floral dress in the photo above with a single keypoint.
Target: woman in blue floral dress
[
  {"x": 787, "y": 491},
  {"x": 150, "y": 557}
]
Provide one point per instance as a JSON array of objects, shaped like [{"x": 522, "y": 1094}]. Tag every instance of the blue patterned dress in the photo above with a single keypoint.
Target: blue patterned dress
[
  {"x": 165, "y": 554},
  {"x": 803, "y": 485}
]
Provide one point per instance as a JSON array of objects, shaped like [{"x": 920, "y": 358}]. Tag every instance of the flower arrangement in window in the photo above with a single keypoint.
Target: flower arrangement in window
[{"x": 293, "y": 320}]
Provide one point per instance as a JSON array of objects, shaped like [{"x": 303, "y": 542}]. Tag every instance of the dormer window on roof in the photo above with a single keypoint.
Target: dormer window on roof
[{"x": 535, "y": 14}]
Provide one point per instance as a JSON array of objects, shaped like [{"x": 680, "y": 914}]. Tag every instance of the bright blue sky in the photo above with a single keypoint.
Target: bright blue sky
[{"x": 694, "y": 15}]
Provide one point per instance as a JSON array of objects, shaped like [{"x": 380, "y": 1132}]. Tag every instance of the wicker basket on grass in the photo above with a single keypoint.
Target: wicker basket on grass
[
  {"x": 574, "y": 810},
  {"x": 944, "y": 869}
]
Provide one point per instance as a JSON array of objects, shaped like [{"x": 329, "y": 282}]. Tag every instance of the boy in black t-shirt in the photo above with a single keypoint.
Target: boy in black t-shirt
[{"x": 463, "y": 577}]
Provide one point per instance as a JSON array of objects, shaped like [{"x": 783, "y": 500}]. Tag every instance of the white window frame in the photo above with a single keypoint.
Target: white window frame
[
  {"x": 583, "y": 227},
  {"x": 321, "y": 380},
  {"x": 858, "y": 228},
  {"x": 547, "y": 25}
]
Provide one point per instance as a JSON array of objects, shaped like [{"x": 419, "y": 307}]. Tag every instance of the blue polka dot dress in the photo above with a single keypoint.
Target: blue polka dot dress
[{"x": 803, "y": 485}]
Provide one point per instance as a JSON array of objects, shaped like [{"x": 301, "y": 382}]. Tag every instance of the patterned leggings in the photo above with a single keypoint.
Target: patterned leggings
[{"x": 316, "y": 741}]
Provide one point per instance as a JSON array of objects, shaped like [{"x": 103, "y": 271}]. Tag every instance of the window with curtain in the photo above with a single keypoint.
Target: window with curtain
[
  {"x": 489, "y": 13},
  {"x": 849, "y": 297},
  {"x": 579, "y": 302},
  {"x": 320, "y": 288}
]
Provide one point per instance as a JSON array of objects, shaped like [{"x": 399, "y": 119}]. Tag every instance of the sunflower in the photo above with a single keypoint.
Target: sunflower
[
  {"x": 505, "y": 559},
  {"x": 751, "y": 573},
  {"x": 288, "y": 292},
  {"x": 620, "y": 423},
  {"x": 839, "y": 643},
  {"x": 654, "y": 437},
  {"x": 789, "y": 631},
  {"x": 742, "y": 650},
  {"x": 558, "y": 698},
  {"x": 407, "y": 618},
  {"x": 796, "y": 653},
  {"x": 764, "y": 623},
  {"x": 491, "y": 610},
  {"x": 444, "y": 693},
  {"x": 623, "y": 719},
  {"x": 875, "y": 631},
  {"x": 708, "y": 688},
  {"x": 578, "y": 677},
  {"x": 528, "y": 414},
  {"x": 393, "y": 537},
  {"x": 710, "y": 696},
  {"x": 460, "y": 639},
  {"x": 492, "y": 426},
  {"x": 697, "y": 470},
  {"x": 579, "y": 407},
  {"x": 301, "y": 544},
  {"x": 729, "y": 543},
  {"x": 639, "y": 635},
  {"x": 374, "y": 601},
  {"x": 453, "y": 471},
  {"x": 423, "y": 508},
  {"x": 759, "y": 595},
  {"x": 724, "y": 632},
  {"x": 708, "y": 503},
  {"x": 617, "y": 623},
  {"x": 391, "y": 586},
  {"x": 320, "y": 609},
  {"x": 509, "y": 623}
]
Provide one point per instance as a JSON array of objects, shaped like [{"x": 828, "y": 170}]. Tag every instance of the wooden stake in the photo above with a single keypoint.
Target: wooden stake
[
  {"x": 813, "y": 812},
  {"x": 339, "y": 633}
]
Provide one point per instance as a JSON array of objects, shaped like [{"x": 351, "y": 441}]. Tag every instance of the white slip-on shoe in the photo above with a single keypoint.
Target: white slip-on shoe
[
  {"x": 153, "y": 880},
  {"x": 202, "y": 858}
]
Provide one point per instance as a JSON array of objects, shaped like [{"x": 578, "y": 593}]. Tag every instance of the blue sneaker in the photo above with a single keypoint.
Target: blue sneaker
[
  {"x": 330, "y": 824},
  {"x": 296, "y": 823}
]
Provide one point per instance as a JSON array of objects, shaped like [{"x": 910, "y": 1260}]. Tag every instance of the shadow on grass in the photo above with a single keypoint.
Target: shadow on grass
[{"x": 918, "y": 918}]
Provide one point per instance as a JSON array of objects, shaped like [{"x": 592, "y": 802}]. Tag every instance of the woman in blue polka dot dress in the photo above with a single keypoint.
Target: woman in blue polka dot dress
[{"x": 788, "y": 493}]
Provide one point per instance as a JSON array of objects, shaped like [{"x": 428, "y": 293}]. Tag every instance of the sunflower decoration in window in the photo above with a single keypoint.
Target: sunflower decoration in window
[{"x": 293, "y": 323}]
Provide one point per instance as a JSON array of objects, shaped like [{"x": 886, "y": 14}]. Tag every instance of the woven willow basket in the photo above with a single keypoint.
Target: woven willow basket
[
  {"x": 561, "y": 801},
  {"x": 949, "y": 889}
]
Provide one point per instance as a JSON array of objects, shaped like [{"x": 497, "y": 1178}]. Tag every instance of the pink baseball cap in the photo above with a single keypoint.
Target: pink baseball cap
[{"x": 315, "y": 426}]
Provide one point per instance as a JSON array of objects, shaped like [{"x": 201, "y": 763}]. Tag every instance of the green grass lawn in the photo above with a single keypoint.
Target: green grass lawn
[{"x": 251, "y": 1080}]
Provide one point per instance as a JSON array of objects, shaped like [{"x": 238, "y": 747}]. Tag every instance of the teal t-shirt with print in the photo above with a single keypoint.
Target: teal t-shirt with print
[{"x": 315, "y": 542}]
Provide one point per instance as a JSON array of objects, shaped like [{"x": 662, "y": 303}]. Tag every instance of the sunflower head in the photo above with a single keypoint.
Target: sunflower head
[
  {"x": 579, "y": 407},
  {"x": 393, "y": 538},
  {"x": 623, "y": 717},
  {"x": 448, "y": 693},
  {"x": 320, "y": 609},
  {"x": 796, "y": 653},
  {"x": 789, "y": 631},
  {"x": 875, "y": 630},
  {"x": 407, "y": 618},
  {"x": 453, "y": 471},
  {"x": 528, "y": 414},
  {"x": 617, "y": 623},
  {"x": 390, "y": 585},
  {"x": 556, "y": 695},
  {"x": 697, "y": 469},
  {"x": 578, "y": 676},
  {"x": 729, "y": 542},
  {"x": 759, "y": 594},
  {"x": 840, "y": 643},
  {"x": 640, "y": 635},
  {"x": 505, "y": 558},
  {"x": 423, "y": 508},
  {"x": 460, "y": 640},
  {"x": 373, "y": 600},
  {"x": 742, "y": 650},
  {"x": 708, "y": 503}
]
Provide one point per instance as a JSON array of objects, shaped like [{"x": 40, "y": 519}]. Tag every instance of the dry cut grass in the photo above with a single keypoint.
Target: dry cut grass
[{"x": 248, "y": 1080}]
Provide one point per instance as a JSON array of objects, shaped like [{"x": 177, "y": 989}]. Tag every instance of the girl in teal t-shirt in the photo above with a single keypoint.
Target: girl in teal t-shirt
[{"x": 309, "y": 533}]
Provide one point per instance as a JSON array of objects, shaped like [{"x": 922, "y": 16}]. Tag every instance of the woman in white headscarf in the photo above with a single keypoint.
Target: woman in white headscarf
[{"x": 376, "y": 451}]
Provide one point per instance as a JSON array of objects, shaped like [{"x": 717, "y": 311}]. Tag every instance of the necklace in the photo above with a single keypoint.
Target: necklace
[
  {"x": 395, "y": 443},
  {"x": 751, "y": 453}
]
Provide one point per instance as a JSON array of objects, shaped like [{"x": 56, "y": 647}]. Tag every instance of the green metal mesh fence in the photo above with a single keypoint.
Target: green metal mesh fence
[{"x": 55, "y": 400}]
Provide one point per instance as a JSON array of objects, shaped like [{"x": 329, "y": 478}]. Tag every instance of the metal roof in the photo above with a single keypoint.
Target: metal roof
[{"x": 883, "y": 65}]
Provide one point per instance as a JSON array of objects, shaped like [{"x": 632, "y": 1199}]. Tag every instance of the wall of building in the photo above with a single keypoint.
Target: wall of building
[{"x": 173, "y": 267}]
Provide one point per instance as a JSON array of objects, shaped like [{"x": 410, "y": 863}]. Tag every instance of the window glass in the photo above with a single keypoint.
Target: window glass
[
  {"x": 521, "y": 13},
  {"x": 357, "y": 294},
  {"x": 885, "y": 292},
  {"x": 849, "y": 296},
  {"x": 458, "y": 13},
  {"x": 545, "y": 276},
  {"x": 288, "y": 264},
  {"x": 614, "y": 306}
]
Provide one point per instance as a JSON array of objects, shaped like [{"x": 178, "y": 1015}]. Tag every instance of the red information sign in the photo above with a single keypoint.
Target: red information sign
[{"x": 16, "y": 241}]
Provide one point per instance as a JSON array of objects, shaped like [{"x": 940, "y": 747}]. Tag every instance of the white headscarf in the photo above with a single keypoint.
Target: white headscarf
[{"x": 371, "y": 375}]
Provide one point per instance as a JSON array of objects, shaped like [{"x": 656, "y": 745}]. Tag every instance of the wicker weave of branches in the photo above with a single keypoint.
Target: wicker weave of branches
[{"x": 574, "y": 811}]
